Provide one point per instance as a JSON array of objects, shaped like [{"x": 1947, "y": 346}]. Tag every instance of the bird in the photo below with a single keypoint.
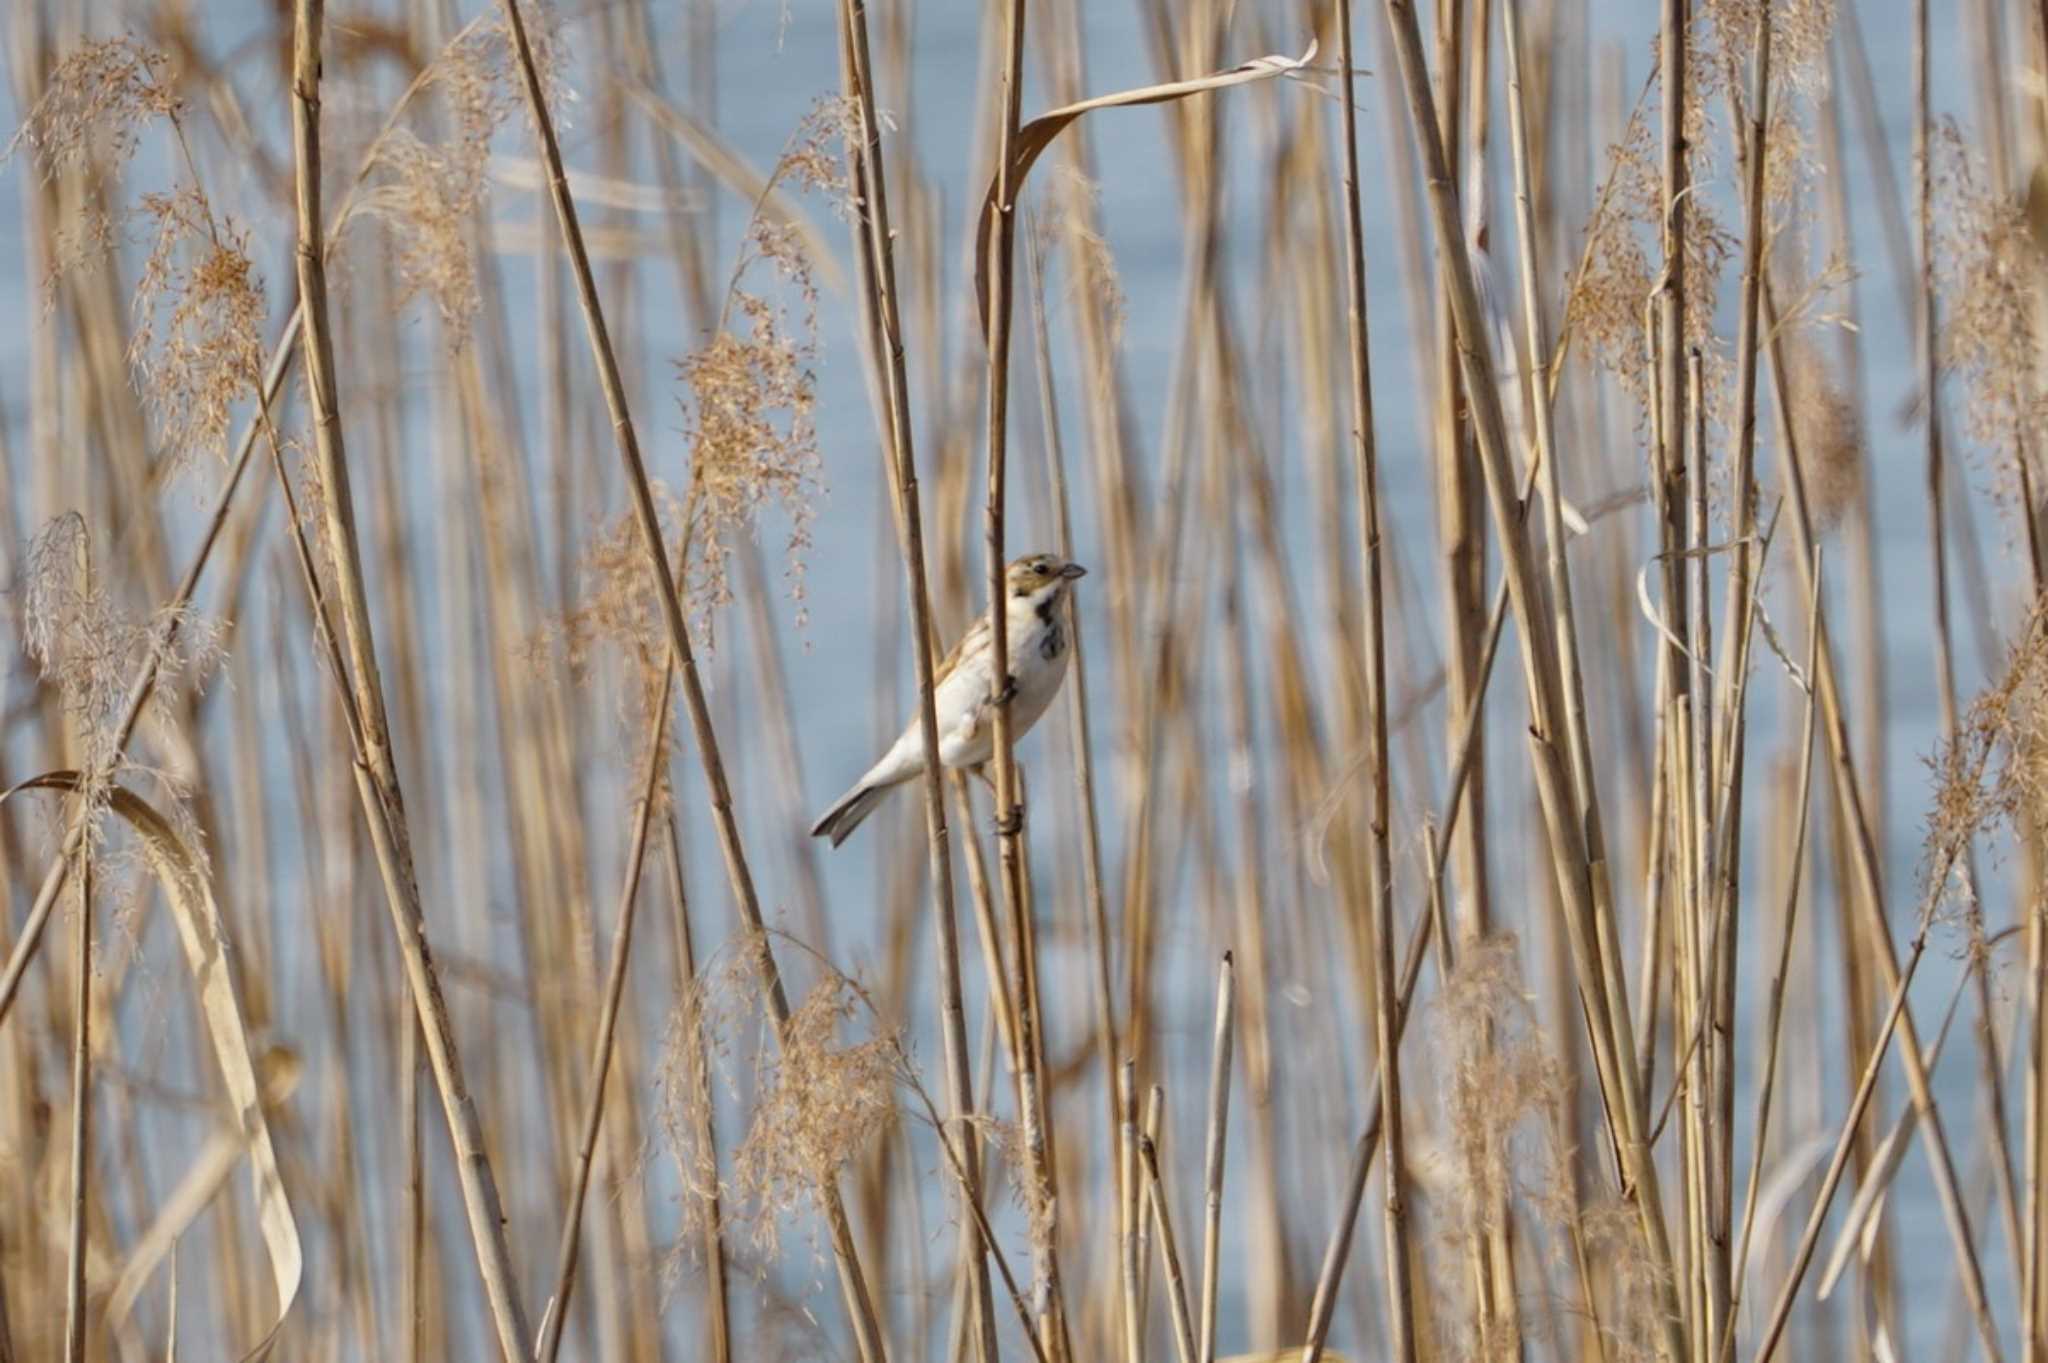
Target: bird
[{"x": 965, "y": 689}]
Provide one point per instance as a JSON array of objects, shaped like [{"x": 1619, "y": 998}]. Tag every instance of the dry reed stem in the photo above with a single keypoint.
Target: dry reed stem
[
  {"x": 1290, "y": 694},
  {"x": 867, "y": 1328},
  {"x": 1169, "y": 1251},
  {"x": 1131, "y": 1213},
  {"x": 1213, "y": 1159},
  {"x": 1009, "y": 790},
  {"x": 81, "y": 1124},
  {"x": 557, "y": 1309},
  {"x": 1365, "y": 473},
  {"x": 1862, "y": 853},
  {"x": 1722, "y": 716},
  {"x": 377, "y": 774},
  {"x": 1103, "y": 994},
  {"x": 172, "y": 614},
  {"x": 876, "y": 267},
  {"x": 1575, "y": 847},
  {"x": 1780, "y": 975}
]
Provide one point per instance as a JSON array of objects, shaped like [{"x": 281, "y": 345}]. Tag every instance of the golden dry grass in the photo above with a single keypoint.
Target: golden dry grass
[{"x": 714, "y": 1092}]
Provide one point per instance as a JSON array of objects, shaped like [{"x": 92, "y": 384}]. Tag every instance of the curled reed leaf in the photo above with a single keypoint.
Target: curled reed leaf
[
  {"x": 203, "y": 934},
  {"x": 1034, "y": 137}
]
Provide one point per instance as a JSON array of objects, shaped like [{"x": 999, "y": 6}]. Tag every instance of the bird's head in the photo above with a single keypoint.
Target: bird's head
[{"x": 1037, "y": 578}]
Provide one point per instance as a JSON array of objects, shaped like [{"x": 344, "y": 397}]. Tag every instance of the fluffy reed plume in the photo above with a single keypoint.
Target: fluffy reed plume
[
  {"x": 97, "y": 103},
  {"x": 431, "y": 190},
  {"x": 1988, "y": 265},
  {"x": 750, "y": 427},
  {"x": 1800, "y": 32},
  {"x": 817, "y": 1101},
  {"x": 1216, "y": 669},
  {"x": 1501, "y": 1085},
  {"x": 748, "y": 416},
  {"x": 1611, "y": 1231},
  {"x": 1502, "y": 1104},
  {"x": 88, "y": 649},
  {"x": 1091, "y": 266},
  {"x": 1828, "y": 431},
  {"x": 749, "y": 424},
  {"x": 617, "y": 607},
  {"x": 1993, "y": 775},
  {"x": 1606, "y": 307},
  {"x": 197, "y": 347}
]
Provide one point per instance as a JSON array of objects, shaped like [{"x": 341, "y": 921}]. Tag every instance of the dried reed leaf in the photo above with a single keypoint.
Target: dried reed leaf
[
  {"x": 202, "y": 1182},
  {"x": 204, "y": 936},
  {"x": 1034, "y": 137}
]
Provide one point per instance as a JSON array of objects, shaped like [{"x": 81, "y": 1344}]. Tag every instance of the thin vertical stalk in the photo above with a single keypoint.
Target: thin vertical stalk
[
  {"x": 376, "y": 773},
  {"x": 1009, "y": 791},
  {"x": 1365, "y": 461},
  {"x": 1868, "y": 882},
  {"x": 1127, "y": 1218},
  {"x": 1104, "y": 992},
  {"x": 1927, "y": 337},
  {"x": 881, "y": 300},
  {"x": 2034, "y": 1281},
  {"x": 81, "y": 1119},
  {"x": 1323, "y": 1307},
  {"x": 1674, "y": 37},
  {"x": 867, "y": 1327},
  {"x": 1571, "y": 813},
  {"x": 717, "y": 1279},
  {"x": 1774, "y": 1008},
  {"x": 1169, "y": 1251},
  {"x": 1729, "y": 756},
  {"x": 1212, "y": 1178},
  {"x": 557, "y": 1310}
]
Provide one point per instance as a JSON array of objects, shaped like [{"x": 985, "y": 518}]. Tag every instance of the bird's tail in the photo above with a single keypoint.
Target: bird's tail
[{"x": 838, "y": 822}]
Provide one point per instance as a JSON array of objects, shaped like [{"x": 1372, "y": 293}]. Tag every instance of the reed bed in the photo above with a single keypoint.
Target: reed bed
[{"x": 1538, "y": 856}]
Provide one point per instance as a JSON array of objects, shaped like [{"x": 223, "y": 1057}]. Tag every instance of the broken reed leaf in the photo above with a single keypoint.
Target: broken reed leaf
[
  {"x": 1034, "y": 137},
  {"x": 208, "y": 952}
]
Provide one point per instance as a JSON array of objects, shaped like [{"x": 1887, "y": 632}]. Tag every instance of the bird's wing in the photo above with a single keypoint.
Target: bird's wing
[{"x": 975, "y": 638}]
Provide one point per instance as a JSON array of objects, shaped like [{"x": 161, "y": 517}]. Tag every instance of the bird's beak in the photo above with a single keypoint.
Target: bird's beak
[{"x": 1072, "y": 571}]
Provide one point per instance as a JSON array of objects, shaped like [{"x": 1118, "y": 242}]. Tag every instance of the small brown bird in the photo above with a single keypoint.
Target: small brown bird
[{"x": 965, "y": 682}]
